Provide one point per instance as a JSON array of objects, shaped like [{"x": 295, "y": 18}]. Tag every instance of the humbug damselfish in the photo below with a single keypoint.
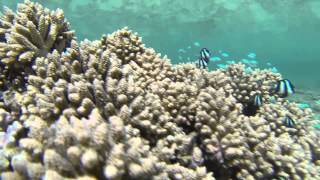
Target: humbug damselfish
[
  {"x": 253, "y": 105},
  {"x": 283, "y": 88},
  {"x": 204, "y": 58}
]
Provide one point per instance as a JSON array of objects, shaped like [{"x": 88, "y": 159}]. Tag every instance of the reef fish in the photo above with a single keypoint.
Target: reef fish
[
  {"x": 303, "y": 105},
  {"x": 248, "y": 70},
  {"x": 274, "y": 69},
  {"x": 252, "y": 55},
  {"x": 215, "y": 58},
  {"x": 204, "y": 58},
  {"x": 256, "y": 100},
  {"x": 288, "y": 121},
  {"x": 231, "y": 62},
  {"x": 245, "y": 61},
  {"x": 284, "y": 88},
  {"x": 225, "y": 54},
  {"x": 196, "y": 44},
  {"x": 253, "y": 105},
  {"x": 222, "y": 66},
  {"x": 182, "y": 51}
]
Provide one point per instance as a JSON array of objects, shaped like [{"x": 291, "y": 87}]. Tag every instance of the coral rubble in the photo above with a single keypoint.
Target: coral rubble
[{"x": 114, "y": 109}]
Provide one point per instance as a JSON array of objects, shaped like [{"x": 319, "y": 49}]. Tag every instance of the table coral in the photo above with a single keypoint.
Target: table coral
[{"x": 115, "y": 109}]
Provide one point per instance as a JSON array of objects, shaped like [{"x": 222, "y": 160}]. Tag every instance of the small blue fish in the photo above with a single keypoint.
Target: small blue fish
[
  {"x": 253, "y": 62},
  {"x": 274, "y": 69},
  {"x": 284, "y": 88},
  {"x": 223, "y": 66},
  {"x": 196, "y": 44},
  {"x": 288, "y": 121},
  {"x": 317, "y": 126},
  {"x": 204, "y": 58},
  {"x": 252, "y": 55},
  {"x": 179, "y": 57},
  {"x": 269, "y": 64},
  {"x": 230, "y": 62},
  {"x": 189, "y": 47},
  {"x": 245, "y": 61},
  {"x": 248, "y": 70},
  {"x": 182, "y": 51},
  {"x": 303, "y": 105},
  {"x": 225, "y": 55},
  {"x": 215, "y": 58}
]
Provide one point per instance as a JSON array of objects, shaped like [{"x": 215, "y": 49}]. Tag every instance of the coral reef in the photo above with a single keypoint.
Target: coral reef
[
  {"x": 115, "y": 109},
  {"x": 31, "y": 32}
]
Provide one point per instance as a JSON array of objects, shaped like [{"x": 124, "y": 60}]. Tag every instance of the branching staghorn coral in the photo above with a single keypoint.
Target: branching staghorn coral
[
  {"x": 31, "y": 32},
  {"x": 114, "y": 109}
]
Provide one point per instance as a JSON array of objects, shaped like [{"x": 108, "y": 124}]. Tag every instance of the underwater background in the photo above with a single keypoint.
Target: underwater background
[
  {"x": 282, "y": 35},
  {"x": 74, "y": 107}
]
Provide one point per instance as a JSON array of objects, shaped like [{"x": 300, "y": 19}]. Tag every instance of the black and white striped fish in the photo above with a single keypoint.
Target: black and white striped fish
[
  {"x": 284, "y": 88},
  {"x": 256, "y": 100},
  {"x": 288, "y": 121},
  {"x": 253, "y": 105},
  {"x": 204, "y": 58}
]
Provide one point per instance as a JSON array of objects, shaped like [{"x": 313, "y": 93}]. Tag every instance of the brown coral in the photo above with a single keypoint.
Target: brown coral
[
  {"x": 31, "y": 32},
  {"x": 115, "y": 109}
]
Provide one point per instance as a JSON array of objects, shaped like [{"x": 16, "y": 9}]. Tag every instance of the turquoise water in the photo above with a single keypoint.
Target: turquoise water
[
  {"x": 82, "y": 113},
  {"x": 283, "y": 33}
]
